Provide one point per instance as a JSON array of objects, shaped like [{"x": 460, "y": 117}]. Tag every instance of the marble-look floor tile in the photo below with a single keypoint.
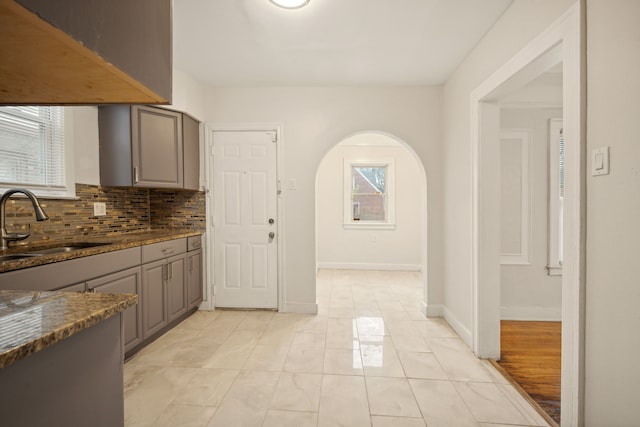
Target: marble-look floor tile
[
  {"x": 342, "y": 362},
  {"x": 235, "y": 351},
  {"x": 266, "y": 358},
  {"x": 276, "y": 418},
  {"x": 421, "y": 365},
  {"x": 206, "y": 388},
  {"x": 391, "y": 396},
  {"x": 434, "y": 328},
  {"x": 343, "y": 402},
  {"x": 488, "y": 404},
  {"x": 304, "y": 359},
  {"x": 297, "y": 392},
  {"x": 184, "y": 416},
  {"x": 150, "y": 395},
  {"x": 440, "y": 404},
  {"x": 457, "y": 360},
  {"x": 342, "y": 333},
  {"x": 379, "y": 359},
  {"x": 409, "y": 342},
  {"x": 308, "y": 339},
  {"x": 248, "y": 368},
  {"x": 313, "y": 324},
  {"x": 532, "y": 416},
  {"x": 371, "y": 326},
  {"x": 247, "y": 401},
  {"x": 380, "y": 421}
]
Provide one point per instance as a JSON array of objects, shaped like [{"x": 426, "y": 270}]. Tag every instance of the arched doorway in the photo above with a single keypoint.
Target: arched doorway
[{"x": 371, "y": 207}]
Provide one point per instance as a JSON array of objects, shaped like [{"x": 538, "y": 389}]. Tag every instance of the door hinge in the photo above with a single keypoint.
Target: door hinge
[{"x": 274, "y": 136}]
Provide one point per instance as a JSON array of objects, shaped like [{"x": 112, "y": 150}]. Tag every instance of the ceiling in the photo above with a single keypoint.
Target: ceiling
[{"x": 328, "y": 42}]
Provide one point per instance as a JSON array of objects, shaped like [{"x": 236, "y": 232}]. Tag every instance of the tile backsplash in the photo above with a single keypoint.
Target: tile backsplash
[{"x": 128, "y": 210}]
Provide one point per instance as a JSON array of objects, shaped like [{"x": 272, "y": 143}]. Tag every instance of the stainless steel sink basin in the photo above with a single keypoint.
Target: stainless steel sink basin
[
  {"x": 67, "y": 248},
  {"x": 11, "y": 257},
  {"x": 50, "y": 251}
]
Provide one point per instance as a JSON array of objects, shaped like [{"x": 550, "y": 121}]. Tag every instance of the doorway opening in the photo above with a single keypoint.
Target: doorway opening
[
  {"x": 371, "y": 204},
  {"x": 559, "y": 44}
]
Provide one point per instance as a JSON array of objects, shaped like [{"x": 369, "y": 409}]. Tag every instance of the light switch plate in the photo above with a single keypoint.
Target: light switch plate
[
  {"x": 600, "y": 161},
  {"x": 99, "y": 209}
]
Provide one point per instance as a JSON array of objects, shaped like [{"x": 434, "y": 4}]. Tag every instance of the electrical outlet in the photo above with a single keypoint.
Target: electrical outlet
[{"x": 99, "y": 209}]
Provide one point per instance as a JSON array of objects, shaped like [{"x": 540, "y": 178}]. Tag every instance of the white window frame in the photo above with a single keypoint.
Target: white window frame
[
  {"x": 68, "y": 189},
  {"x": 556, "y": 206},
  {"x": 389, "y": 223},
  {"x": 521, "y": 258}
]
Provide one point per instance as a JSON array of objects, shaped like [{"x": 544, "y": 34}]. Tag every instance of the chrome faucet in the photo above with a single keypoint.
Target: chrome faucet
[{"x": 5, "y": 236}]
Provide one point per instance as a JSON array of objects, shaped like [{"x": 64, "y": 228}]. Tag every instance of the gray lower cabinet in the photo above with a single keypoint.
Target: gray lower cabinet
[
  {"x": 124, "y": 282},
  {"x": 80, "y": 287},
  {"x": 154, "y": 306},
  {"x": 176, "y": 287},
  {"x": 194, "y": 278}
]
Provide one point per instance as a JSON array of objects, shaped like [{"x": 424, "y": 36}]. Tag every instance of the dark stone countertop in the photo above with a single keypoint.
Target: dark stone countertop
[
  {"x": 32, "y": 321},
  {"x": 109, "y": 244}
]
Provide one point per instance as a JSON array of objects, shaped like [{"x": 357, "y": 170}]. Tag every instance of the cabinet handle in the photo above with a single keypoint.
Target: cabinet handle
[
  {"x": 170, "y": 269},
  {"x": 165, "y": 272},
  {"x": 135, "y": 175},
  {"x": 167, "y": 251}
]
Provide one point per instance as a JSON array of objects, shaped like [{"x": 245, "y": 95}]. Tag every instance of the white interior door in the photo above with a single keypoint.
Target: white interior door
[{"x": 245, "y": 208}]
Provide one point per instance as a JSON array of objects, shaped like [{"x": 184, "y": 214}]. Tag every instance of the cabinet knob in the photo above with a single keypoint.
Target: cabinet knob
[{"x": 272, "y": 235}]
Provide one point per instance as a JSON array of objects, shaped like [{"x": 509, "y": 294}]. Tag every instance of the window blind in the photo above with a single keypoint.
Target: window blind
[{"x": 32, "y": 147}]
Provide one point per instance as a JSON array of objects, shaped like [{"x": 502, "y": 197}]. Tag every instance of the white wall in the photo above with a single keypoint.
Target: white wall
[
  {"x": 188, "y": 95},
  {"x": 86, "y": 144},
  {"x": 613, "y": 215},
  {"x": 313, "y": 120},
  {"x": 522, "y": 22},
  {"x": 400, "y": 248},
  {"x": 527, "y": 291}
]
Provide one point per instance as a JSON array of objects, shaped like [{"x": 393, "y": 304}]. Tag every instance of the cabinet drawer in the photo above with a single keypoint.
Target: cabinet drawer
[
  {"x": 50, "y": 277},
  {"x": 161, "y": 250},
  {"x": 194, "y": 243}
]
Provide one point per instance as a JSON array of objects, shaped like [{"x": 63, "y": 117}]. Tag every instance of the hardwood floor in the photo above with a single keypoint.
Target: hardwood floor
[{"x": 530, "y": 354}]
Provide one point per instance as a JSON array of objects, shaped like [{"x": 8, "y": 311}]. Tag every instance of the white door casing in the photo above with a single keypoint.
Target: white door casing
[{"x": 245, "y": 219}]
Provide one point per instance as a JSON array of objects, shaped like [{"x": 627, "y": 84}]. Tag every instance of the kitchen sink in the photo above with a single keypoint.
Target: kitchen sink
[
  {"x": 11, "y": 257},
  {"x": 66, "y": 248},
  {"x": 50, "y": 251}
]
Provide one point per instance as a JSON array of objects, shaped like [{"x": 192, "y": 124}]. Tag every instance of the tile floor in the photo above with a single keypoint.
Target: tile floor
[{"x": 369, "y": 358}]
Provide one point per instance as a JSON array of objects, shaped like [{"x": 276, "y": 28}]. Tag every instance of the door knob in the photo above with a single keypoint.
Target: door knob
[
  {"x": 271, "y": 221},
  {"x": 272, "y": 235}
]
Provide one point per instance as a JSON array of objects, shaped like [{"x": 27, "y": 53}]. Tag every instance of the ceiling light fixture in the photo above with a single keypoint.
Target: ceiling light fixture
[{"x": 290, "y": 4}]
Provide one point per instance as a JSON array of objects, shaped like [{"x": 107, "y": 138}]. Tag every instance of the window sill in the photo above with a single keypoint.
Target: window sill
[{"x": 369, "y": 226}]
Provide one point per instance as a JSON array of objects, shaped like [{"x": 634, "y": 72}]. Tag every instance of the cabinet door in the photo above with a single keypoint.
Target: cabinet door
[
  {"x": 156, "y": 145},
  {"x": 191, "y": 141},
  {"x": 194, "y": 278},
  {"x": 154, "y": 299},
  {"x": 80, "y": 287},
  {"x": 124, "y": 282},
  {"x": 176, "y": 287}
]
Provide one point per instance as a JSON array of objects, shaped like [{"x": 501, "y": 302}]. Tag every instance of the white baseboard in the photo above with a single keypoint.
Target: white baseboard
[
  {"x": 433, "y": 310},
  {"x": 541, "y": 314},
  {"x": 461, "y": 330},
  {"x": 300, "y": 307},
  {"x": 367, "y": 266}
]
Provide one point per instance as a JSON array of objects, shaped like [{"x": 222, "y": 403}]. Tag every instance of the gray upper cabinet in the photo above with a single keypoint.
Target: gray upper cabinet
[
  {"x": 86, "y": 52},
  {"x": 156, "y": 147},
  {"x": 150, "y": 147},
  {"x": 191, "y": 141}
]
